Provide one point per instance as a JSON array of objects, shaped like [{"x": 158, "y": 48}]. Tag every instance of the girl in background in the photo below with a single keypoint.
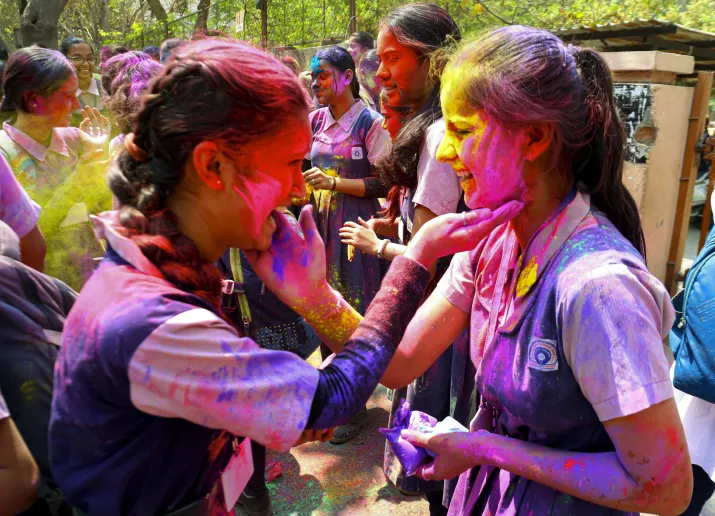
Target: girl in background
[
  {"x": 60, "y": 167},
  {"x": 128, "y": 77},
  {"x": 348, "y": 138},
  {"x": 89, "y": 90}
]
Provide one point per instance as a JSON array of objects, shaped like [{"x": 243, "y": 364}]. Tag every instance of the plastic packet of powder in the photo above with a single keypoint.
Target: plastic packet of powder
[{"x": 409, "y": 455}]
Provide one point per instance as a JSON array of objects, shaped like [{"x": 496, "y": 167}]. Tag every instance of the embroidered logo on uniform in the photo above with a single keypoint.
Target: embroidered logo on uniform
[
  {"x": 357, "y": 152},
  {"x": 542, "y": 355}
]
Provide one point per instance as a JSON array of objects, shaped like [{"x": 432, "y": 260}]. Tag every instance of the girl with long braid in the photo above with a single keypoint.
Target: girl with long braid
[{"x": 152, "y": 383}]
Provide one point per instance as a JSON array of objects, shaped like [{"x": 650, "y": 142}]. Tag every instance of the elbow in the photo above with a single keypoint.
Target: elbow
[
  {"x": 669, "y": 498},
  {"x": 25, "y": 487}
]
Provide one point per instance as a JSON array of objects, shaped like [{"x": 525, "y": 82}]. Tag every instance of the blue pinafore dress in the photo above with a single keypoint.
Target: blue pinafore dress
[{"x": 358, "y": 280}]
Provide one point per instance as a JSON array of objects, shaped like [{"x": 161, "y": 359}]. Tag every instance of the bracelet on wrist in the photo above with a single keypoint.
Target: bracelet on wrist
[
  {"x": 335, "y": 182},
  {"x": 381, "y": 248}
]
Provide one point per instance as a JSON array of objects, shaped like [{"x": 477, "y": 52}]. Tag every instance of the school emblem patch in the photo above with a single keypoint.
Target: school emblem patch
[
  {"x": 357, "y": 153},
  {"x": 543, "y": 355}
]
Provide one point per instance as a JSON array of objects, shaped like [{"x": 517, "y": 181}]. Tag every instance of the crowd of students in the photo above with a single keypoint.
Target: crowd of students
[{"x": 181, "y": 227}]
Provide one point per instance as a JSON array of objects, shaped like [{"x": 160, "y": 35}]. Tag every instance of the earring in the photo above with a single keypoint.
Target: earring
[{"x": 219, "y": 183}]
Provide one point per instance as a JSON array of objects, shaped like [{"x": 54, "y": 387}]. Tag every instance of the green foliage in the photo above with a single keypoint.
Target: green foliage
[{"x": 310, "y": 22}]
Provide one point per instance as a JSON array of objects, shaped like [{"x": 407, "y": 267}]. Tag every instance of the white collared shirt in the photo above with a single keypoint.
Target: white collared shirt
[{"x": 92, "y": 96}]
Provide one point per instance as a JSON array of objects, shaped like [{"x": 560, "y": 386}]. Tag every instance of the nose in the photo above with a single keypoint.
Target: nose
[
  {"x": 446, "y": 152},
  {"x": 298, "y": 187},
  {"x": 75, "y": 103},
  {"x": 382, "y": 72}
]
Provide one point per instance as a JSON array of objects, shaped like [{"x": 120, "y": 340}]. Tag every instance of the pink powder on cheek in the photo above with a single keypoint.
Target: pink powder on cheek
[
  {"x": 261, "y": 193},
  {"x": 496, "y": 165}
]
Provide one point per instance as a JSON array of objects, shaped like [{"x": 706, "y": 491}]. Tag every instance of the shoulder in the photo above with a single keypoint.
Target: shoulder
[{"x": 434, "y": 134}]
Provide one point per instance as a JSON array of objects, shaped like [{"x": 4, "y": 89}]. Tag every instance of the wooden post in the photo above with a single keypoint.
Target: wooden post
[
  {"x": 688, "y": 175},
  {"x": 353, "y": 17},
  {"x": 264, "y": 24},
  {"x": 707, "y": 211}
]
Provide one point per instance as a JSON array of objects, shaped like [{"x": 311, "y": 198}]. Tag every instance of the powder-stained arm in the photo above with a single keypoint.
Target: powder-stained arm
[{"x": 345, "y": 385}]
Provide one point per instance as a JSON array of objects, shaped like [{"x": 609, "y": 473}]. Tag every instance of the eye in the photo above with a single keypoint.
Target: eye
[{"x": 462, "y": 132}]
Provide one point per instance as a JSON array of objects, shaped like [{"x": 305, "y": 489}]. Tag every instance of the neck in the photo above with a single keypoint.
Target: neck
[
  {"x": 192, "y": 224},
  {"x": 35, "y": 127},
  {"x": 542, "y": 198},
  {"x": 84, "y": 83},
  {"x": 422, "y": 101},
  {"x": 341, "y": 105}
]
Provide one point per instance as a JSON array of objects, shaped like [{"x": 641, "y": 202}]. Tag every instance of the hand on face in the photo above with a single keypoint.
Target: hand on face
[
  {"x": 318, "y": 179},
  {"x": 361, "y": 236},
  {"x": 454, "y": 453},
  {"x": 293, "y": 267},
  {"x": 458, "y": 232}
]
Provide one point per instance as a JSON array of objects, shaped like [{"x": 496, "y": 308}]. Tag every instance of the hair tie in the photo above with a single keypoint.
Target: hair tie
[{"x": 134, "y": 150}]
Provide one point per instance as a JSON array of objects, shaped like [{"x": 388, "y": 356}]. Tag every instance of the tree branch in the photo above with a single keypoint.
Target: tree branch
[{"x": 506, "y": 22}]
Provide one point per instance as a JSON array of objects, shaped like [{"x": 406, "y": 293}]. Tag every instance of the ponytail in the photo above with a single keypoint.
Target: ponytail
[{"x": 599, "y": 164}]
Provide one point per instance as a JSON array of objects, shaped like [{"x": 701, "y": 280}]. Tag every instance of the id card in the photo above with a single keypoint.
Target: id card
[{"x": 237, "y": 473}]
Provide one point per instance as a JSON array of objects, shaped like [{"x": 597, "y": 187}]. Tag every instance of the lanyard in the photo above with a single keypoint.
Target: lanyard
[{"x": 237, "y": 273}]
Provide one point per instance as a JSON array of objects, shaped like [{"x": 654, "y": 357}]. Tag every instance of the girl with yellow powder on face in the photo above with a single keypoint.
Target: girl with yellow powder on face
[{"x": 566, "y": 322}]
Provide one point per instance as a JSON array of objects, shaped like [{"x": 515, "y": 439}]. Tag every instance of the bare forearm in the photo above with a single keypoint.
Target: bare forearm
[
  {"x": 355, "y": 187},
  {"x": 599, "y": 478}
]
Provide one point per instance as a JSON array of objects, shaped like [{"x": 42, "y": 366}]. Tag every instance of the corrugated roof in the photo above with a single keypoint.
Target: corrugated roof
[{"x": 647, "y": 35}]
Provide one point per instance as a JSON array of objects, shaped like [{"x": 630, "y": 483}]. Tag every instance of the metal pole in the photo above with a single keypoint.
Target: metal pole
[{"x": 264, "y": 24}]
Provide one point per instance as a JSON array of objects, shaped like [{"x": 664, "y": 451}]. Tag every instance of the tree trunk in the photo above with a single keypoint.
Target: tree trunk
[
  {"x": 104, "y": 15},
  {"x": 38, "y": 22},
  {"x": 157, "y": 9},
  {"x": 202, "y": 17}
]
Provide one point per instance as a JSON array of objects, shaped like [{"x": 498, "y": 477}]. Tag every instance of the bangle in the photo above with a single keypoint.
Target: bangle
[
  {"x": 335, "y": 181},
  {"x": 381, "y": 248}
]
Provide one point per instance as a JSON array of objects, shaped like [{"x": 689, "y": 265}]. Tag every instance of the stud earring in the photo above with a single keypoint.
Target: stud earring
[{"x": 219, "y": 183}]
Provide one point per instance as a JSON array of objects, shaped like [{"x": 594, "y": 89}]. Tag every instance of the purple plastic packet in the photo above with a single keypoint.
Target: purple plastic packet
[{"x": 409, "y": 455}]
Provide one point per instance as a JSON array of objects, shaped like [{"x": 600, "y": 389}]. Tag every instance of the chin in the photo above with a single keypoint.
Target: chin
[{"x": 262, "y": 243}]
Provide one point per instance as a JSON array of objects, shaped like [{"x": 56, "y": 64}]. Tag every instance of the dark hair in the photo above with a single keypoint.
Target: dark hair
[
  {"x": 112, "y": 50},
  {"x": 4, "y": 54},
  {"x": 219, "y": 90},
  {"x": 426, "y": 28},
  {"x": 2, "y": 67},
  {"x": 369, "y": 61},
  {"x": 153, "y": 51},
  {"x": 341, "y": 60},
  {"x": 168, "y": 47},
  {"x": 41, "y": 70},
  {"x": 132, "y": 72},
  {"x": 363, "y": 39},
  {"x": 71, "y": 41},
  {"x": 520, "y": 75},
  {"x": 292, "y": 63}
]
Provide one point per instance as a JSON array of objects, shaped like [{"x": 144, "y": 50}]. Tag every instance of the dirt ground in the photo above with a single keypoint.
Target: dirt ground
[{"x": 326, "y": 480}]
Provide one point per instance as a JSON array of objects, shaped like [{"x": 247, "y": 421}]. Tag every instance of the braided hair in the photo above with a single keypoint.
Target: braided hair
[{"x": 214, "y": 89}]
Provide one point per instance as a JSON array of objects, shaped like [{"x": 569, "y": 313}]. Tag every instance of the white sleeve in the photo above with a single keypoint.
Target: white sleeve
[
  {"x": 4, "y": 412},
  {"x": 613, "y": 320},
  {"x": 195, "y": 366},
  {"x": 438, "y": 186},
  {"x": 378, "y": 141},
  {"x": 457, "y": 284},
  {"x": 17, "y": 210}
]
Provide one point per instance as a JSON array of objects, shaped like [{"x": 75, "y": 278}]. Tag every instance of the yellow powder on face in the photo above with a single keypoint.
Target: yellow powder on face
[{"x": 527, "y": 278}]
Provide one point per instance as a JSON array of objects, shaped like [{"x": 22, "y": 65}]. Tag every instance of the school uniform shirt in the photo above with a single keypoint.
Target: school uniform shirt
[
  {"x": 17, "y": 210},
  {"x": 44, "y": 173},
  {"x": 564, "y": 337},
  {"x": 91, "y": 97},
  {"x": 147, "y": 377}
]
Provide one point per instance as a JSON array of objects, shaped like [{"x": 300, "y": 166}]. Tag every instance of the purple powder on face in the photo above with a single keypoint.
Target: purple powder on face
[{"x": 409, "y": 455}]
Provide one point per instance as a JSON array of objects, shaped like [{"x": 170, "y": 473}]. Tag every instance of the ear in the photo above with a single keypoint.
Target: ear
[
  {"x": 349, "y": 74},
  {"x": 538, "y": 140},
  {"x": 30, "y": 98},
  {"x": 205, "y": 157}
]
